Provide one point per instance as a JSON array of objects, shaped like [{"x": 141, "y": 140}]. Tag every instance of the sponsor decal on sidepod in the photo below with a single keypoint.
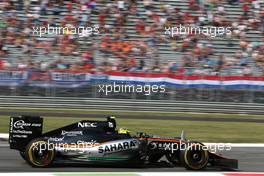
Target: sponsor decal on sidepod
[
  {"x": 71, "y": 133},
  {"x": 118, "y": 146},
  {"x": 55, "y": 139}
]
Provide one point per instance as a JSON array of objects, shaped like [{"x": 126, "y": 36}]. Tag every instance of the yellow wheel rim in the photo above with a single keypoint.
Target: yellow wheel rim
[{"x": 31, "y": 150}]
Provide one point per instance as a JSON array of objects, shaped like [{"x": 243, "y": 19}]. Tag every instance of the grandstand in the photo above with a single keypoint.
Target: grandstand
[
  {"x": 132, "y": 46},
  {"x": 151, "y": 49}
]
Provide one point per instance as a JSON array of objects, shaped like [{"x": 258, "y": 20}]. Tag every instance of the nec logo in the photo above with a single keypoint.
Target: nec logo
[{"x": 87, "y": 124}]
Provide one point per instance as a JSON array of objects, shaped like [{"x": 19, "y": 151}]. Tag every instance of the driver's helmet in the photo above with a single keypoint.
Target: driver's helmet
[{"x": 123, "y": 131}]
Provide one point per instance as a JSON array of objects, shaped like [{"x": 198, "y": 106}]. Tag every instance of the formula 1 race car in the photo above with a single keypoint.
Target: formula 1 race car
[{"x": 98, "y": 142}]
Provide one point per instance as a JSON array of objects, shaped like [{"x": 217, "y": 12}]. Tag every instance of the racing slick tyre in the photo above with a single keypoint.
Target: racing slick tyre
[
  {"x": 194, "y": 156},
  {"x": 39, "y": 153},
  {"x": 22, "y": 154}
]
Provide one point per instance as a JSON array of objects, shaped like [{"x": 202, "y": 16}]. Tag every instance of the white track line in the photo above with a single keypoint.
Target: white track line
[
  {"x": 247, "y": 145},
  {"x": 116, "y": 174},
  {"x": 4, "y": 136},
  {"x": 180, "y": 174},
  {"x": 27, "y": 174}
]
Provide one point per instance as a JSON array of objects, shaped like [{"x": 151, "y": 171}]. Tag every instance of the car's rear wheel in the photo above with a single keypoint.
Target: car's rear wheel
[
  {"x": 194, "y": 156},
  {"x": 39, "y": 153}
]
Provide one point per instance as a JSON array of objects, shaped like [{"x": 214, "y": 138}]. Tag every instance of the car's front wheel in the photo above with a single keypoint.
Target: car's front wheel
[
  {"x": 39, "y": 153},
  {"x": 194, "y": 157}
]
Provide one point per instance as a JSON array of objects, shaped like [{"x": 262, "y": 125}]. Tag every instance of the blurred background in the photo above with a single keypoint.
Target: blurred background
[{"x": 132, "y": 44}]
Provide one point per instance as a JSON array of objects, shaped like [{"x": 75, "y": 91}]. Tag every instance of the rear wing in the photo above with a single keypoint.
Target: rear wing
[{"x": 23, "y": 129}]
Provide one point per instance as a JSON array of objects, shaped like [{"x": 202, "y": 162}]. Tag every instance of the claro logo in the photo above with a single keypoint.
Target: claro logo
[
  {"x": 87, "y": 124},
  {"x": 20, "y": 124}
]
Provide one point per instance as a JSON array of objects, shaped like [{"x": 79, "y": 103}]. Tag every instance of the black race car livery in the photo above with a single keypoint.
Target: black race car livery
[{"x": 98, "y": 142}]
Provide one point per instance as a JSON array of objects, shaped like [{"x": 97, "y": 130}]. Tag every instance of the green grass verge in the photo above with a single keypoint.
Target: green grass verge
[
  {"x": 142, "y": 114},
  {"x": 203, "y": 131}
]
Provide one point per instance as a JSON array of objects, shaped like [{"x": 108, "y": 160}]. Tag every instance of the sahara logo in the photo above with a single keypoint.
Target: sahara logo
[
  {"x": 118, "y": 146},
  {"x": 87, "y": 124}
]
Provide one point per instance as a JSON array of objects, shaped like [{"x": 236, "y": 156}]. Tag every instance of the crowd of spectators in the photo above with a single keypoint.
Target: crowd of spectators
[{"x": 120, "y": 51}]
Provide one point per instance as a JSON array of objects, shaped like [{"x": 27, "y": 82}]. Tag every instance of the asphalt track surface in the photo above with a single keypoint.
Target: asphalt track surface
[
  {"x": 250, "y": 160},
  {"x": 131, "y": 116}
]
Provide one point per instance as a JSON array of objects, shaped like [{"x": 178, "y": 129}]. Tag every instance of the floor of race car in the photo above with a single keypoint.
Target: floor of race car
[{"x": 250, "y": 159}]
